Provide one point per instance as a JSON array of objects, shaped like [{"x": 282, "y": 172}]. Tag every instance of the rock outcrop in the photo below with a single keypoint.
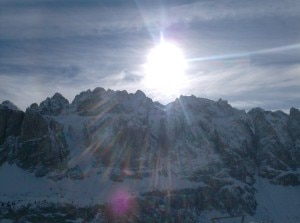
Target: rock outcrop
[
  {"x": 31, "y": 140},
  {"x": 194, "y": 140}
]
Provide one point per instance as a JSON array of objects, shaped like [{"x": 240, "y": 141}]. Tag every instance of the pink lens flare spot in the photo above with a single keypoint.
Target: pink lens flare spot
[{"x": 120, "y": 202}]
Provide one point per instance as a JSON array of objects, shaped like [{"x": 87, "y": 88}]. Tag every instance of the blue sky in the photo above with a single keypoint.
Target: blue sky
[{"x": 247, "y": 52}]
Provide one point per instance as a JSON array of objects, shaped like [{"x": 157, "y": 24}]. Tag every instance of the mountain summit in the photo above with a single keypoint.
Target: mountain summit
[{"x": 189, "y": 157}]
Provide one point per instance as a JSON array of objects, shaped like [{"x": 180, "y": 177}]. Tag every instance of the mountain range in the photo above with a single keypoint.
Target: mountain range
[{"x": 113, "y": 156}]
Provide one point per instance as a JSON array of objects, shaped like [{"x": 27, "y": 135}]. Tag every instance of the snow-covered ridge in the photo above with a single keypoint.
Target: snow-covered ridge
[{"x": 113, "y": 140}]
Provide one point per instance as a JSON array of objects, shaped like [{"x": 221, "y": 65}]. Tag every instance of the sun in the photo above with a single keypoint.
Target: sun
[{"x": 165, "y": 68}]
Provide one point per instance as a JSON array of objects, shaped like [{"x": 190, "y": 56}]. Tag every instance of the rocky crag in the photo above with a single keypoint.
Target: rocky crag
[{"x": 196, "y": 153}]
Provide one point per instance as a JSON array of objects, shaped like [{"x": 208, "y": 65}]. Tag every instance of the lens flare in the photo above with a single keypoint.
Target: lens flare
[{"x": 120, "y": 202}]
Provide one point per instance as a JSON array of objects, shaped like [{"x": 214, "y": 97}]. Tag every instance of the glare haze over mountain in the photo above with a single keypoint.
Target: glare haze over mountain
[{"x": 247, "y": 52}]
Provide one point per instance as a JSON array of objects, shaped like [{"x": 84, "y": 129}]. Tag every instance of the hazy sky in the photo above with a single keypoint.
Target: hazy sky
[{"x": 247, "y": 52}]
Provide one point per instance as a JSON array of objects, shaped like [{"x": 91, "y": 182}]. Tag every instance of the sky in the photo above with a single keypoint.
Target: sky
[{"x": 246, "y": 52}]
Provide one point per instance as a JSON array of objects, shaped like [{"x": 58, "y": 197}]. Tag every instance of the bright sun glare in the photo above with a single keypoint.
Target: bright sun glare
[{"x": 165, "y": 68}]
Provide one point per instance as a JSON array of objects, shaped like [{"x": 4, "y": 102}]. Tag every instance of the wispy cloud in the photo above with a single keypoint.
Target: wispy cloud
[
  {"x": 215, "y": 10},
  {"x": 243, "y": 51},
  {"x": 246, "y": 85}
]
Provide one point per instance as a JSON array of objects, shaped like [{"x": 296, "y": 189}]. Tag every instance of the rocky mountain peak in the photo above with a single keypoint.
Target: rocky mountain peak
[
  {"x": 81, "y": 97},
  {"x": 99, "y": 90},
  {"x": 9, "y": 105},
  {"x": 58, "y": 97},
  {"x": 126, "y": 137},
  {"x": 295, "y": 112},
  {"x": 140, "y": 94},
  {"x": 221, "y": 108},
  {"x": 99, "y": 100},
  {"x": 53, "y": 105}
]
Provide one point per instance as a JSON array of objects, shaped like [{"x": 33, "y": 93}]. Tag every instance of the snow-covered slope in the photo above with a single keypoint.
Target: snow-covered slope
[{"x": 193, "y": 158}]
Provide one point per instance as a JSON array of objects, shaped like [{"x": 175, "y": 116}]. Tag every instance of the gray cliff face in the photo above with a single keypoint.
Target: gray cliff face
[
  {"x": 219, "y": 147},
  {"x": 211, "y": 132},
  {"x": 277, "y": 154},
  {"x": 10, "y": 123},
  {"x": 32, "y": 141},
  {"x": 10, "y": 127},
  {"x": 293, "y": 125}
]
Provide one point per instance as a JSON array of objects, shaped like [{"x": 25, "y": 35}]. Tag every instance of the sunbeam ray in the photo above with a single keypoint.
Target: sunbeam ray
[{"x": 246, "y": 54}]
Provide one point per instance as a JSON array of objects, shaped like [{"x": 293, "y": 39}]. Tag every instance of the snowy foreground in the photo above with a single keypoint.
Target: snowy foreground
[
  {"x": 20, "y": 189},
  {"x": 113, "y": 156}
]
